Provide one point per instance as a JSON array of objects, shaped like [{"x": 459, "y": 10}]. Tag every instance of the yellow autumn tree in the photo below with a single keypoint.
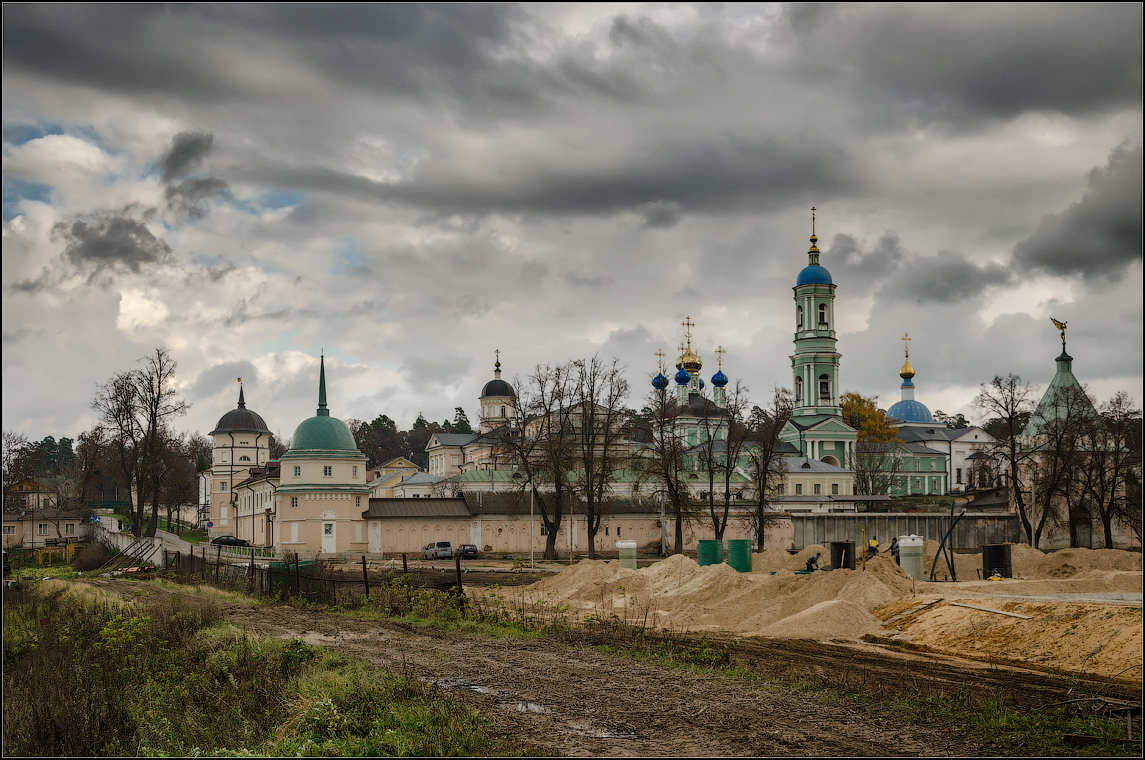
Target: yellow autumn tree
[{"x": 863, "y": 413}]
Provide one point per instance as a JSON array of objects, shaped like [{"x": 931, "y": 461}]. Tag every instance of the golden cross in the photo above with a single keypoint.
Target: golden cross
[
  {"x": 906, "y": 343},
  {"x": 660, "y": 359},
  {"x": 720, "y": 358},
  {"x": 688, "y": 325},
  {"x": 812, "y": 220}
]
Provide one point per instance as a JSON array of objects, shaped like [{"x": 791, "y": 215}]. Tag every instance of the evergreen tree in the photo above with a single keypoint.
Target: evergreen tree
[{"x": 461, "y": 421}]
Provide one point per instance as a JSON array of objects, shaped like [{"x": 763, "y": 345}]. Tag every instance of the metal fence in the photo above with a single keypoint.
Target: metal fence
[
  {"x": 970, "y": 533},
  {"x": 313, "y": 580}
]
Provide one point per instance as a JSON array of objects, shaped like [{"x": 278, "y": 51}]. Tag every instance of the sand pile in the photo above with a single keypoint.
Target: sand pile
[{"x": 834, "y": 615}]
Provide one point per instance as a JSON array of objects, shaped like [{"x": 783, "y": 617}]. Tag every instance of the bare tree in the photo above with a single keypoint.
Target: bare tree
[
  {"x": 1109, "y": 481},
  {"x": 1058, "y": 459},
  {"x": 135, "y": 410},
  {"x": 540, "y": 441},
  {"x": 663, "y": 461},
  {"x": 599, "y": 397},
  {"x": 736, "y": 438},
  {"x": 764, "y": 449},
  {"x": 14, "y": 444},
  {"x": 1007, "y": 402}
]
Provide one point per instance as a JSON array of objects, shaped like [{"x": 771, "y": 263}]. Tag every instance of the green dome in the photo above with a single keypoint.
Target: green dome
[{"x": 323, "y": 433}]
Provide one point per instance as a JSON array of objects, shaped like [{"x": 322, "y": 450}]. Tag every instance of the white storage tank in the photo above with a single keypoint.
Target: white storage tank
[
  {"x": 910, "y": 556},
  {"x": 627, "y": 554}
]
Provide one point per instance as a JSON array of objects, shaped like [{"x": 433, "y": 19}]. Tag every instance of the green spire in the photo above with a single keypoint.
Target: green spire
[{"x": 322, "y": 410}]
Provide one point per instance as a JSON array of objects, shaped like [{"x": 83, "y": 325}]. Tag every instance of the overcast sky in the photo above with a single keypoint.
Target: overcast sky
[{"x": 410, "y": 188}]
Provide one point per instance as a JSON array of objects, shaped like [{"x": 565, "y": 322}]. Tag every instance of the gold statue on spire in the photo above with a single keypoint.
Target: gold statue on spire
[{"x": 1061, "y": 326}]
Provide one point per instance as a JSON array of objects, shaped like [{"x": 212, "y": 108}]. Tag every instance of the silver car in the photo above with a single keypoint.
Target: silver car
[{"x": 438, "y": 550}]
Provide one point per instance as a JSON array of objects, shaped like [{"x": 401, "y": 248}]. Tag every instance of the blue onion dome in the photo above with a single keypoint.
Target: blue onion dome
[
  {"x": 660, "y": 382},
  {"x": 909, "y": 410},
  {"x": 814, "y": 275},
  {"x": 719, "y": 379},
  {"x": 701, "y": 383},
  {"x": 682, "y": 377}
]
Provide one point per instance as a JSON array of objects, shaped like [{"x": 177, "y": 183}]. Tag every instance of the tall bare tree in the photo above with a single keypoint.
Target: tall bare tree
[
  {"x": 736, "y": 437},
  {"x": 599, "y": 395},
  {"x": 1110, "y": 477},
  {"x": 1007, "y": 402},
  {"x": 764, "y": 449},
  {"x": 663, "y": 462},
  {"x": 14, "y": 444},
  {"x": 540, "y": 441},
  {"x": 136, "y": 409}
]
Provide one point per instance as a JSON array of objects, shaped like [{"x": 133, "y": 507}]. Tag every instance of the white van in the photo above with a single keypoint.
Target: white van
[{"x": 438, "y": 550}]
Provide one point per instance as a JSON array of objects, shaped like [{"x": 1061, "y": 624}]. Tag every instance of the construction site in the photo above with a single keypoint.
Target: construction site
[{"x": 1070, "y": 611}]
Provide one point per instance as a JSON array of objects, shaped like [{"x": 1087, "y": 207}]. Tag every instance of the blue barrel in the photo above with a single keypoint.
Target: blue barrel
[
  {"x": 709, "y": 552},
  {"x": 739, "y": 554}
]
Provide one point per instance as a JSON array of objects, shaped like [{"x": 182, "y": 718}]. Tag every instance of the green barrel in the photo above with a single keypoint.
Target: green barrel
[
  {"x": 739, "y": 554},
  {"x": 709, "y": 552}
]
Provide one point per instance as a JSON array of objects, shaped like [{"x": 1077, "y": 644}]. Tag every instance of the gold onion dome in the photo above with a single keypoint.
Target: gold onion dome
[
  {"x": 907, "y": 371},
  {"x": 689, "y": 361}
]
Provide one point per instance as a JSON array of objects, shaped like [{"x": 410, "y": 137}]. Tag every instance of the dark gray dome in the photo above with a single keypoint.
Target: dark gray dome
[
  {"x": 240, "y": 420},
  {"x": 497, "y": 387}
]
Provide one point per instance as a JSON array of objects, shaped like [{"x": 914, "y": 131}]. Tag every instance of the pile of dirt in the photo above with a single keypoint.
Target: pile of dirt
[
  {"x": 775, "y": 601},
  {"x": 1098, "y": 639}
]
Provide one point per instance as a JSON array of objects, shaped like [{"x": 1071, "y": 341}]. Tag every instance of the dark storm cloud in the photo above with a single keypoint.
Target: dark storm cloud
[
  {"x": 187, "y": 150},
  {"x": 659, "y": 215},
  {"x": 999, "y": 60},
  {"x": 1100, "y": 234},
  {"x": 421, "y": 50},
  {"x": 889, "y": 269},
  {"x": 945, "y": 278},
  {"x": 112, "y": 240},
  {"x": 136, "y": 48},
  {"x": 718, "y": 174}
]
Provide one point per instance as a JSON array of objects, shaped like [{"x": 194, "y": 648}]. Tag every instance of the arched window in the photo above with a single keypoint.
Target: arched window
[
  {"x": 799, "y": 317},
  {"x": 822, "y": 313},
  {"x": 502, "y": 410},
  {"x": 824, "y": 388},
  {"x": 244, "y": 458},
  {"x": 798, "y": 390}
]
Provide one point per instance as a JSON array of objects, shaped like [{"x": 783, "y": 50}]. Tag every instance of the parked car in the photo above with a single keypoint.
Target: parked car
[
  {"x": 230, "y": 541},
  {"x": 438, "y": 550},
  {"x": 467, "y": 551}
]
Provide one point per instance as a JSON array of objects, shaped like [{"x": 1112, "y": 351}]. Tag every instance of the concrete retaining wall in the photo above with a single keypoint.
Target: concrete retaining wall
[{"x": 972, "y": 531}]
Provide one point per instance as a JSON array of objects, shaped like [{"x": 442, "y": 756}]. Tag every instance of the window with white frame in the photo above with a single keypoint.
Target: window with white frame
[
  {"x": 822, "y": 314},
  {"x": 328, "y": 470},
  {"x": 297, "y": 471},
  {"x": 9, "y": 530},
  {"x": 798, "y": 489},
  {"x": 834, "y": 489},
  {"x": 818, "y": 489},
  {"x": 222, "y": 485},
  {"x": 294, "y": 501},
  {"x": 41, "y": 529},
  {"x": 355, "y": 474}
]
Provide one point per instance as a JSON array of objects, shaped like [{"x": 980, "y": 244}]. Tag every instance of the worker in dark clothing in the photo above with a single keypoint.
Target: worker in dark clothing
[
  {"x": 813, "y": 563},
  {"x": 895, "y": 549}
]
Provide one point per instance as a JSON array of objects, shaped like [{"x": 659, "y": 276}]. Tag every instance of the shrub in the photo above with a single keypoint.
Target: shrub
[{"x": 91, "y": 557}]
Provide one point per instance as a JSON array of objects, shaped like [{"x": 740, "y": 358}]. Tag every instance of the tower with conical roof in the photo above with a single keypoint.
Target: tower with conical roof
[
  {"x": 240, "y": 441},
  {"x": 322, "y": 492},
  {"x": 816, "y": 425},
  {"x": 907, "y": 411}
]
